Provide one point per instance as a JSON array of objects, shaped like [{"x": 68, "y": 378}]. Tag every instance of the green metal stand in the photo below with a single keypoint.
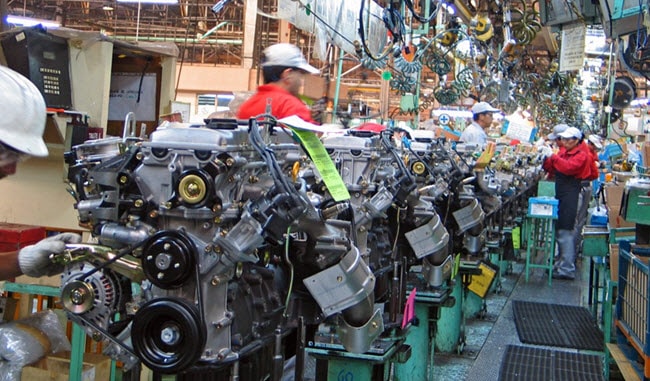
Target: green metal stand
[
  {"x": 348, "y": 369},
  {"x": 608, "y": 308},
  {"x": 420, "y": 365},
  {"x": 448, "y": 330},
  {"x": 540, "y": 240},
  {"x": 596, "y": 249},
  {"x": 342, "y": 365},
  {"x": 473, "y": 305}
]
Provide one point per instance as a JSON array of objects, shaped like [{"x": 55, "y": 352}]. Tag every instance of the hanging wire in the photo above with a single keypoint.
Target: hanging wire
[
  {"x": 424, "y": 20},
  {"x": 362, "y": 36},
  {"x": 288, "y": 260}
]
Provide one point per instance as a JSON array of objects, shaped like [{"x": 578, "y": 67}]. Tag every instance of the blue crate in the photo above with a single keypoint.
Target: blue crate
[
  {"x": 612, "y": 151},
  {"x": 543, "y": 207},
  {"x": 599, "y": 220}
]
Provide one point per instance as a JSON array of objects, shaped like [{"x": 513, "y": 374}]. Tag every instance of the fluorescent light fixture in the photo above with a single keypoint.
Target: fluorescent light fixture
[
  {"x": 449, "y": 8},
  {"x": 28, "y": 21},
  {"x": 149, "y": 1},
  {"x": 453, "y": 113},
  {"x": 640, "y": 102}
]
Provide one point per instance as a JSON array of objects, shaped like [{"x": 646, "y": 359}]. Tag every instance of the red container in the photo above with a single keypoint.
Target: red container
[{"x": 15, "y": 236}]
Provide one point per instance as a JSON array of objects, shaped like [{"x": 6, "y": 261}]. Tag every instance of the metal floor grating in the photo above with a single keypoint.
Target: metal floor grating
[
  {"x": 557, "y": 325},
  {"x": 537, "y": 364}
]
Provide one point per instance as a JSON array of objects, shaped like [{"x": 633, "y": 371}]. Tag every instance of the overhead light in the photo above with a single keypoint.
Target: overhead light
[
  {"x": 28, "y": 21},
  {"x": 107, "y": 7},
  {"x": 149, "y": 1},
  {"x": 453, "y": 113},
  {"x": 449, "y": 8}
]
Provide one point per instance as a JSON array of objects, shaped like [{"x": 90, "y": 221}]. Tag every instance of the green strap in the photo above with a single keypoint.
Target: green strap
[{"x": 323, "y": 163}]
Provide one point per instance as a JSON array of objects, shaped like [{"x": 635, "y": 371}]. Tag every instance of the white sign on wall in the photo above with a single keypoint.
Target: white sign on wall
[
  {"x": 572, "y": 51},
  {"x": 520, "y": 131},
  {"x": 184, "y": 108},
  {"x": 125, "y": 88}
]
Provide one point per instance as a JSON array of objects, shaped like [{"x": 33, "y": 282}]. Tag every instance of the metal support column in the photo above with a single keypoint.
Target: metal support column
[{"x": 77, "y": 356}]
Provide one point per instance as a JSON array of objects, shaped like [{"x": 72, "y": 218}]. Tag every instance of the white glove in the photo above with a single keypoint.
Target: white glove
[
  {"x": 34, "y": 260},
  {"x": 545, "y": 151}
]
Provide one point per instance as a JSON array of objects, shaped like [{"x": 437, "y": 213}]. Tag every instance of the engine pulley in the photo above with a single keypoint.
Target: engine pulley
[
  {"x": 168, "y": 334},
  {"x": 96, "y": 297},
  {"x": 78, "y": 297},
  {"x": 168, "y": 259}
]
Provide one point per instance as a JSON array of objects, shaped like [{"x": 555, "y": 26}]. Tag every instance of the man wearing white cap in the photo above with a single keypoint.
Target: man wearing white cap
[
  {"x": 21, "y": 128},
  {"x": 481, "y": 120},
  {"x": 283, "y": 70},
  {"x": 570, "y": 166}
]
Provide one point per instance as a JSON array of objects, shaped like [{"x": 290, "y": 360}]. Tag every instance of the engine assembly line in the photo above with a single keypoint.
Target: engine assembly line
[
  {"x": 319, "y": 190},
  {"x": 240, "y": 257}
]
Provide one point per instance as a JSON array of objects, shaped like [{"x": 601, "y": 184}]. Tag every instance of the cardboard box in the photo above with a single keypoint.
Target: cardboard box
[
  {"x": 449, "y": 135},
  {"x": 314, "y": 88},
  {"x": 613, "y": 197},
  {"x": 53, "y": 281},
  {"x": 56, "y": 367}
]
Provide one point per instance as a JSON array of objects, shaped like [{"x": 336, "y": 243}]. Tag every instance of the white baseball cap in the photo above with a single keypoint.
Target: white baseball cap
[
  {"x": 288, "y": 55},
  {"x": 596, "y": 141},
  {"x": 557, "y": 130},
  {"x": 571, "y": 132},
  {"x": 483, "y": 107}
]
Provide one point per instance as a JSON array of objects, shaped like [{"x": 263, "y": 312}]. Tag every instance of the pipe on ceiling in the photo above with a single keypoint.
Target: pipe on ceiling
[{"x": 211, "y": 41}]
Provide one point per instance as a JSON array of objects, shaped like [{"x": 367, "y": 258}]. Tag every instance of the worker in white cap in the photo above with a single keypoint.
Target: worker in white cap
[
  {"x": 554, "y": 136},
  {"x": 283, "y": 70},
  {"x": 482, "y": 115},
  {"x": 570, "y": 166},
  {"x": 21, "y": 135}
]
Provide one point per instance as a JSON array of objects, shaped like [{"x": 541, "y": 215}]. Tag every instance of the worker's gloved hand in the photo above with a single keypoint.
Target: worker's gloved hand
[
  {"x": 547, "y": 163},
  {"x": 545, "y": 151},
  {"x": 34, "y": 260}
]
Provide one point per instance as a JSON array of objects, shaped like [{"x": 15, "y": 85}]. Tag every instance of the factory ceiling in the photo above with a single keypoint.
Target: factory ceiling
[{"x": 203, "y": 35}]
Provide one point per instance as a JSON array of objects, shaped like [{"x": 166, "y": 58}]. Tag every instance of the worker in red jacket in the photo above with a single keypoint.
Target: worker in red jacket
[
  {"x": 594, "y": 145},
  {"x": 21, "y": 135},
  {"x": 283, "y": 70},
  {"x": 570, "y": 167}
]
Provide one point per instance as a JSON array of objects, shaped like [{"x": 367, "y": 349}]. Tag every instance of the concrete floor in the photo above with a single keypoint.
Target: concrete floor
[{"x": 488, "y": 338}]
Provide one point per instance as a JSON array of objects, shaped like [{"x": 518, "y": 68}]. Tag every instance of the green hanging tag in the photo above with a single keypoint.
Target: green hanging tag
[
  {"x": 324, "y": 164},
  {"x": 456, "y": 269},
  {"x": 516, "y": 237}
]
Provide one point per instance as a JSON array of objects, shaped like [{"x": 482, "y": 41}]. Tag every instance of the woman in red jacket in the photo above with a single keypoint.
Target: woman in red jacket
[
  {"x": 569, "y": 166},
  {"x": 594, "y": 145}
]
